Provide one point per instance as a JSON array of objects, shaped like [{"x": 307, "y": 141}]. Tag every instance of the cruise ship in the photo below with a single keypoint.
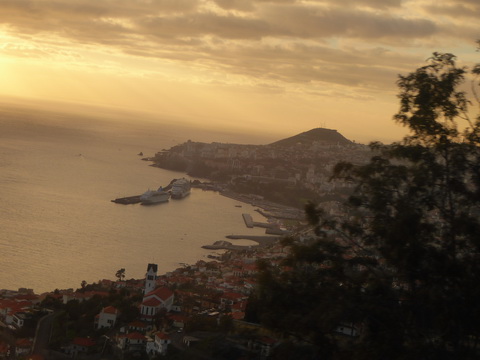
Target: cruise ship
[
  {"x": 150, "y": 197},
  {"x": 180, "y": 188}
]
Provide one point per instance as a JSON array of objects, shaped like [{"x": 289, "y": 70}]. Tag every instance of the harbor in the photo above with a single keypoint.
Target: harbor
[
  {"x": 177, "y": 189},
  {"x": 261, "y": 241},
  {"x": 274, "y": 233}
]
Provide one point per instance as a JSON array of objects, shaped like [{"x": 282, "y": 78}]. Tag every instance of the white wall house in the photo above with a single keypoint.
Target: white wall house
[
  {"x": 159, "y": 343},
  {"x": 132, "y": 341},
  {"x": 107, "y": 317}
]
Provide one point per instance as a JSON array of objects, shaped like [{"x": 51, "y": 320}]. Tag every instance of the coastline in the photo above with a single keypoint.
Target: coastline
[{"x": 262, "y": 241}]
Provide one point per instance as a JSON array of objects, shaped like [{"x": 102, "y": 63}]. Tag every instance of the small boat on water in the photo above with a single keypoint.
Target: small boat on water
[
  {"x": 150, "y": 197},
  {"x": 180, "y": 188}
]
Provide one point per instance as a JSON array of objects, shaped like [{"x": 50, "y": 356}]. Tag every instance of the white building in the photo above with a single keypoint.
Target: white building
[
  {"x": 132, "y": 341},
  {"x": 150, "y": 278},
  {"x": 154, "y": 301},
  {"x": 159, "y": 343},
  {"x": 106, "y": 318}
]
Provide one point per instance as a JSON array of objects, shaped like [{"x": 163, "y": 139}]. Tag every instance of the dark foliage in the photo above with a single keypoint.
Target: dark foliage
[{"x": 402, "y": 265}]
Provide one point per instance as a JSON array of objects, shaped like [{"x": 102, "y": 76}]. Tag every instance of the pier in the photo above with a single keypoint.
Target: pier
[
  {"x": 261, "y": 241},
  {"x": 271, "y": 229},
  {"x": 248, "y": 220}
]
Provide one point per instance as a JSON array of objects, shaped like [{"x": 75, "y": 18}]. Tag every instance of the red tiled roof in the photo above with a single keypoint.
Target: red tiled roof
[
  {"x": 109, "y": 310},
  {"x": 137, "y": 324},
  {"x": 162, "y": 292},
  {"x": 242, "y": 305},
  {"x": 238, "y": 315},
  {"x": 24, "y": 342},
  {"x": 81, "y": 341},
  {"x": 152, "y": 302},
  {"x": 162, "y": 335},
  {"x": 29, "y": 297},
  {"x": 251, "y": 267},
  {"x": 177, "y": 317},
  {"x": 3, "y": 348},
  {"x": 135, "y": 336},
  {"x": 233, "y": 296}
]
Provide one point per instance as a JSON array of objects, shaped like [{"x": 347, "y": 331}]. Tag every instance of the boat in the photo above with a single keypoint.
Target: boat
[
  {"x": 180, "y": 188},
  {"x": 150, "y": 197}
]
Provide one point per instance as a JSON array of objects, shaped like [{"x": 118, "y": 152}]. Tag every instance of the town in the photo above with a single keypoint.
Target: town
[
  {"x": 200, "y": 308},
  {"x": 181, "y": 311},
  {"x": 289, "y": 171}
]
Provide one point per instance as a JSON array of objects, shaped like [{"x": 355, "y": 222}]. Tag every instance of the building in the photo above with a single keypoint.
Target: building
[
  {"x": 154, "y": 301},
  {"x": 132, "y": 341},
  {"x": 159, "y": 343},
  {"x": 150, "y": 278},
  {"x": 79, "y": 345},
  {"x": 107, "y": 318}
]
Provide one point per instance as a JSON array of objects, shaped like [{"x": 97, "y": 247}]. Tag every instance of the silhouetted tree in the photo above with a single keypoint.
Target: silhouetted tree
[
  {"x": 120, "y": 274},
  {"x": 402, "y": 265}
]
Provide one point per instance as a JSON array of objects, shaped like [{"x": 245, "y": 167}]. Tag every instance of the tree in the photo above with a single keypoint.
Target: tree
[
  {"x": 120, "y": 274},
  {"x": 403, "y": 263}
]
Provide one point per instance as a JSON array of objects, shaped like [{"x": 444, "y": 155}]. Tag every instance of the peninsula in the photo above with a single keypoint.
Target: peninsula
[{"x": 290, "y": 171}]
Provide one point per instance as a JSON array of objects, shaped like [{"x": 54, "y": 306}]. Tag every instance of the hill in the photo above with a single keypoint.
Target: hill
[{"x": 322, "y": 135}]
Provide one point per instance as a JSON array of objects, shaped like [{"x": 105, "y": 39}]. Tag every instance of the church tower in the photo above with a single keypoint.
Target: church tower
[{"x": 150, "y": 278}]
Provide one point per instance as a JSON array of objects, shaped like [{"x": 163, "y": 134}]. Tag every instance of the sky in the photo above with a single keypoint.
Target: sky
[{"x": 273, "y": 66}]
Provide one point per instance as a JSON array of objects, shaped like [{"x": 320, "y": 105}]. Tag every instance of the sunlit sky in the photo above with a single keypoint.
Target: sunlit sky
[{"x": 276, "y": 66}]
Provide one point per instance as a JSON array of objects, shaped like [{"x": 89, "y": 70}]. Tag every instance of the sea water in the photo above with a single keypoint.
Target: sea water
[{"x": 58, "y": 226}]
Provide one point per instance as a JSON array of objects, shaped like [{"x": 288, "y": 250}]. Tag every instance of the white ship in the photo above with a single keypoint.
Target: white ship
[
  {"x": 180, "y": 188},
  {"x": 150, "y": 197}
]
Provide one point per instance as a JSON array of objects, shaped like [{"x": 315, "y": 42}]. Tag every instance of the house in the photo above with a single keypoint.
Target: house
[
  {"x": 179, "y": 320},
  {"x": 10, "y": 307},
  {"x": 265, "y": 344},
  {"x": 23, "y": 346},
  {"x": 107, "y": 318},
  {"x": 230, "y": 298},
  {"x": 79, "y": 345},
  {"x": 137, "y": 326},
  {"x": 154, "y": 301},
  {"x": 132, "y": 341},
  {"x": 4, "y": 350},
  {"x": 159, "y": 344},
  {"x": 20, "y": 319}
]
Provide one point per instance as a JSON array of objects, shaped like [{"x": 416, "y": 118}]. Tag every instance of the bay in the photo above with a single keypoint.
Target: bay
[{"x": 58, "y": 226}]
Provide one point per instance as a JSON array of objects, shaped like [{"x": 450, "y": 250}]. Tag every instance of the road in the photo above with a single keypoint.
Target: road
[{"x": 43, "y": 332}]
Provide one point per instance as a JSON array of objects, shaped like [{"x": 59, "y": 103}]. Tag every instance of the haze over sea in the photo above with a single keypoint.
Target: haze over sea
[{"x": 58, "y": 173}]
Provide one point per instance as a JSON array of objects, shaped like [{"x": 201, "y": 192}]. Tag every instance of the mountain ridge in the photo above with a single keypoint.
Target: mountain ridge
[{"x": 323, "y": 135}]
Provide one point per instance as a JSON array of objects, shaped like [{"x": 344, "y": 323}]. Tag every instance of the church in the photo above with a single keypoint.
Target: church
[{"x": 154, "y": 299}]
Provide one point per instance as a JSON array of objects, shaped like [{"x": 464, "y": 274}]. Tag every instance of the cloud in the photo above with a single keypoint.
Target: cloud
[
  {"x": 460, "y": 9},
  {"x": 357, "y": 43}
]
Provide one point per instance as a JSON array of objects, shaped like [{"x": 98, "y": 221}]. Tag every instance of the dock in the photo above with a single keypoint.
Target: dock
[
  {"x": 248, "y": 220},
  {"x": 271, "y": 229},
  {"x": 261, "y": 241}
]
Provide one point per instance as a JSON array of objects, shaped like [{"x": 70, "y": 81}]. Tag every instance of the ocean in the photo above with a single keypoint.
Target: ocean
[{"x": 58, "y": 175}]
